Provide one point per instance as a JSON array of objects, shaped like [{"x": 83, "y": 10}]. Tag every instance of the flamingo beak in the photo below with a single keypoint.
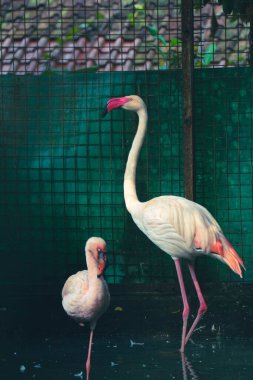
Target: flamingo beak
[
  {"x": 115, "y": 103},
  {"x": 102, "y": 262}
]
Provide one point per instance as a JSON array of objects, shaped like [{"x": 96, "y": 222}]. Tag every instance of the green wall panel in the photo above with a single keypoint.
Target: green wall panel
[
  {"x": 62, "y": 169},
  {"x": 224, "y": 152}
]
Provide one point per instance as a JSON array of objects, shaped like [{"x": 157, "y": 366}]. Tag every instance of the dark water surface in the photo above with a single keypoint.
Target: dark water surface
[
  {"x": 117, "y": 358},
  {"x": 138, "y": 338}
]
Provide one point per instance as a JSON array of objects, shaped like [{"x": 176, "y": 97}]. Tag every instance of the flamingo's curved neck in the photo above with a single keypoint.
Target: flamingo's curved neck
[
  {"x": 130, "y": 194},
  {"x": 92, "y": 269}
]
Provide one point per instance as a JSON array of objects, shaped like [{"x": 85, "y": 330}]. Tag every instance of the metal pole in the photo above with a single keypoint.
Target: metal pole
[
  {"x": 251, "y": 42},
  {"x": 187, "y": 92}
]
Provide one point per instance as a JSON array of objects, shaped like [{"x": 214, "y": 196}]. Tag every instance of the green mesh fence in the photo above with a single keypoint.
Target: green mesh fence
[
  {"x": 62, "y": 169},
  {"x": 224, "y": 152}
]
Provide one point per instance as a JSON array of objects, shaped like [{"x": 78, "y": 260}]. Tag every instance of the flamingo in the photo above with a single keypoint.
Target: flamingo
[
  {"x": 85, "y": 295},
  {"x": 179, "y": 227}
]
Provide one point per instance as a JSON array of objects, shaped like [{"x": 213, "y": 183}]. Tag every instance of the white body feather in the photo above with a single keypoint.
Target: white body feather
[
  {"x": 85, "y": 295},
  {"x": 85, "y": 300},
  {"x": 177, "y": 226}
]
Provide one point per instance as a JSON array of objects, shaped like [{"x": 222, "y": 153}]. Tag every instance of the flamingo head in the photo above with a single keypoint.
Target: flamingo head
[
  {"x": 96, "y": 249},
  {"x": 102, "y": 262},
  {"x": 130, "y": 103}
]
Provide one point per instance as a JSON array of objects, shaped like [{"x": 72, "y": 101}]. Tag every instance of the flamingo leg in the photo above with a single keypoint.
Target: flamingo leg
[
  {"x": 202, "y": 304},
  {"x": 186, "y": 310},
  {"x": 88, "y": 357}
]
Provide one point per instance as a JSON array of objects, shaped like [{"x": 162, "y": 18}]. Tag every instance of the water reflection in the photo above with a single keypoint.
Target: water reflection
[{"x": 187, "y": 366}]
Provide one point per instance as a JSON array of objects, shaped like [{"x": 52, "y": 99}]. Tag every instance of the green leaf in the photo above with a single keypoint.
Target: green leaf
[
  {"x": 73, "y": 31},
  {"x": 59, "y": 41},
  {"x": 140, "y": 7},
  {"x": 175, "y": 42},
  {"x": 130, "y": 17},
  {"x": 152, "y": 30},
  {"x": 100, "y": 16},
  {"x": 208, "y": 54},
  {"x": 46, "y": 56},
  {"x": 90, "y": 22},
  {"x": 162, "y": 39}
]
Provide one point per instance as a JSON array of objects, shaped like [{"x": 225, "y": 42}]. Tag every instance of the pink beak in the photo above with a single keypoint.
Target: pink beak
[
  {"x": 102, "y": 262},
  {"x": 115, "y": 103}
]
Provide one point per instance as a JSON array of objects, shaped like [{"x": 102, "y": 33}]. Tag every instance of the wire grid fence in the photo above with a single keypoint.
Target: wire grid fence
[
  {"x": 224, "y": 158},
  {"x": 62, "y": 173},
  {"x": 62, "y": 166},
  {"x": 118, "y": 35}
]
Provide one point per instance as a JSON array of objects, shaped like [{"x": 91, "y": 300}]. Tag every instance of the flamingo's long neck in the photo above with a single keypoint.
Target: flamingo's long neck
[{"x": 130, "y": 194}]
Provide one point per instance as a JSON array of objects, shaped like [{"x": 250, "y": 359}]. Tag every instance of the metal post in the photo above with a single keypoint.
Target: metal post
[
  {"x": 251, "y": 42},
  {"x": 187, "y": 72}
]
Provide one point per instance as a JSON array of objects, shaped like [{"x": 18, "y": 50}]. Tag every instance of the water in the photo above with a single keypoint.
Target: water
[
  {"x": 115, "y": 358},
  {"x": 137, "y": 343}
]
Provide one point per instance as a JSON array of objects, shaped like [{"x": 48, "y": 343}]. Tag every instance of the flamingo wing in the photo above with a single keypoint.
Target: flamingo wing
[
  {"x": 189, "y": 225},
  {"x": 160, "y": 221},
  {"x": 75, "y": 284},
  {"x": 185, "y": 229},
  {"x": 210, "y": 238}
]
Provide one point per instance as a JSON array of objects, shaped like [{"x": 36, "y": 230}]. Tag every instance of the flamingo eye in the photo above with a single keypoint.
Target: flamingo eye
[{"x": 100, "y": 254}]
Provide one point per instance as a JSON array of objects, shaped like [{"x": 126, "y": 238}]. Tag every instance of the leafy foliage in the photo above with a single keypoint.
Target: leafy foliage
[
  {"x": 242, "y": 8},
  {"x": 207, "y": 55},
  {"x": 170, "y": 54}
]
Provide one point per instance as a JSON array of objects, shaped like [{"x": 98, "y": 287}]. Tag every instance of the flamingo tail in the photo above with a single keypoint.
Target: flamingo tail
[{"x": 225, "y": 249}]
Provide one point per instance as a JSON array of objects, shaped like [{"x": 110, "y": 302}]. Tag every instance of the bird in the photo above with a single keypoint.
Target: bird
[
  {"x": 180, "y": 227},
  {"x": 85, "y": 295}
]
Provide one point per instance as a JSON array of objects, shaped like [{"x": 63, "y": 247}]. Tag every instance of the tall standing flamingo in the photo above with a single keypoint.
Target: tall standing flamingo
[
  {"x": 180, "y": 227},
  {"x": 85, "y": 295}
]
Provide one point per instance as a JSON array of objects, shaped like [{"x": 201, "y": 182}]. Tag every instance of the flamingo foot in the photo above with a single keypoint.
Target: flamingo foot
[
  {"x": 88, "y": 370},
  {"x": 201, "y": 311},
  {"x": 184, "y": 329}
]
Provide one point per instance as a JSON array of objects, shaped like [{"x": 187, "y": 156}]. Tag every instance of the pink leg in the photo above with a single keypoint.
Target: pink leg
[
  {"x": 185, "y": 302},
  {"x": 202, "y": 304},
  {"x": 88, "y": 357}
]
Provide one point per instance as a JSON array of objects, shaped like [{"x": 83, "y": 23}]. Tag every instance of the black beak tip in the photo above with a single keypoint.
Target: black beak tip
[{"x": 105, "y": 112}]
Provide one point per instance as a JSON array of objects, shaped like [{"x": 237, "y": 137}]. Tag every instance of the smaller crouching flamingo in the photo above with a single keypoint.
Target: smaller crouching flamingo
[
  {"x": 85, "y": 295},
  {"x": 181, "y": 228}
]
